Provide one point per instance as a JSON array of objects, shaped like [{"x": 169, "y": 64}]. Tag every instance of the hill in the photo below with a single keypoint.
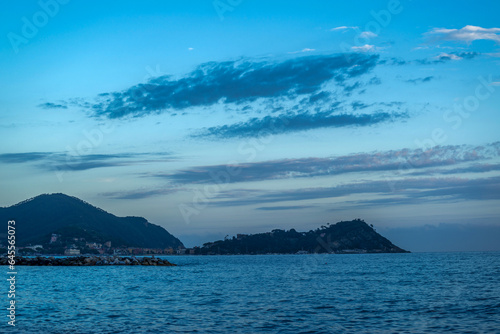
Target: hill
[
  {"x": 69, "y": 217},
  {"x": 344, "y": 237}
]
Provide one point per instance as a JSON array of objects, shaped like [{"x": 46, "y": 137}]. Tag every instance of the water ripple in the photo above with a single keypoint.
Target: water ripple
[{"x": 371, "y": 293}]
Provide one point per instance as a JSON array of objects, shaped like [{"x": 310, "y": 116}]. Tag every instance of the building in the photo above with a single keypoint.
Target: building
[
  {"x": 54, "y": 237},
  {"x": 93, "y": 245},
  {"x": 35, "y": 247},
  {"x": 120, "y": 251},
  {"x": 72, "y": 251}
]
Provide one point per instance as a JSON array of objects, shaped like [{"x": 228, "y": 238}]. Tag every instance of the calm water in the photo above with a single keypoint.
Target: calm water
[{"x": 383, "y": 293}]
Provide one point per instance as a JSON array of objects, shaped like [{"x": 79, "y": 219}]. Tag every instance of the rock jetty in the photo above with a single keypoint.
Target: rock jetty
[{"x": 88, "y": 261}]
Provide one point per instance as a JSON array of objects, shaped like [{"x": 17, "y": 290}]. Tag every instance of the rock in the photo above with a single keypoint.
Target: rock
[{"x": 87, "y": 261}]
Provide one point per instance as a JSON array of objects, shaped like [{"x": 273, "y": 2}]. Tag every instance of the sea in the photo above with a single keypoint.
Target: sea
[{"x": 328, "y": 293}]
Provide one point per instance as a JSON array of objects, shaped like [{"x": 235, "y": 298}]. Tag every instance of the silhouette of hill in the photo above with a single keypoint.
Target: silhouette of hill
[
  {"x": 39, "y": 217},
  {"x": 344, "y": 237}
]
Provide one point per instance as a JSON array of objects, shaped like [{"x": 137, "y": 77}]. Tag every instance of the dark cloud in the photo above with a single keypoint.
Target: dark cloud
[
  {"x": 320, "y": 97},
  {"x": 59, "y": 161},
  {"x": 375, "y": 81},
  {"x": 445, "y": 57},
  {"x": 394, "y": 61},
  {"x": 288, "y": 123},
  {"x": 50, "y": 105},
  {"x": 420, "y": 80},
  {"x": 291, "y": 207},
  {"x": 466, "y": 55},
  {"x": 138, "y": 194},
  {"x": 446, "y": 190},
  {"x": 358, "y": 105},
  {"x": 411, "y": 191},
  {"x": 15, "y": 158},
  {"x": 404, "y": 161},
  {"x": 474, "y": 168},
  {"x": 235, "y": 82}
]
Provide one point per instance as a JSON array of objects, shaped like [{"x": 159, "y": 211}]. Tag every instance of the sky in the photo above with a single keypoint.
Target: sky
[{"x": 212, "y": 118}]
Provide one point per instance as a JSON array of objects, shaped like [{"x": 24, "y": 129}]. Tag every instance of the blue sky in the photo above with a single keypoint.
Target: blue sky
[{"x": 221, "y": 117}]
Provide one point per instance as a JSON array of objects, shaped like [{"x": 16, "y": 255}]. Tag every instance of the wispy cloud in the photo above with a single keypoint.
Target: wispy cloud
[
  {"x": 280, "y": 208},
  {"x": 60, "y": 161},
  {"x": 412, "y": 191},
  {"x": 271, "y": 125},
  {"x": 49, "y": 105},
  {"x": 139, "y": 194},
  {"x": 466, "y": 34},
  {"x": 16, "y": 158},
  {"x": 445, "y": 57},
  {"x": 367, "y": 34},
  {"x": 344, "y": 28},
  {"x": 386, "y": 161},
  {"x": 472, "y": 168},
  {"x": 364, "y": 48},
  {"x": 303, "y": 50},
  {"x": 233, "y": 82},
  {"x": 420, "y": 80}
]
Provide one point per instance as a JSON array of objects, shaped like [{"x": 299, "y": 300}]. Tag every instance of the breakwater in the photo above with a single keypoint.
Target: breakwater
[{"x": 88, "y": 261}]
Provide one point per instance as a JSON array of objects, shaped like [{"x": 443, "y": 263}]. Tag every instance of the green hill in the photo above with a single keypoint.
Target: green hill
[{"x": 39, "y": 217}]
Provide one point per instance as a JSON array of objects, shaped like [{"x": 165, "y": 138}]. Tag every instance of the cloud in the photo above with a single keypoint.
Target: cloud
[
  {"x": 420, "y": 80},
  {"x": 363, "y": 48},
  {"x": 60, "y": 161},
  {"x": 343, "y": 28},
  {"x": 49, "y": 105},
  {"x": 367, "y": 34},
  {"x": 466, "y": 34},
  {"x": 358, "y": 105},
  {"x": 138, "y": 194},
  {"x": 448, "y": 56},
  {"x": 445, "y": 57},
  {"x": 288, "y": 123},
  {"x": 233, "y": 82},
  {"x": 411, "y": 191},
  {"x": 473, "y": 168},
  {"x": 321, "y": 96},
  {"x": 466, "y": 55},
  {"x": 16, "y": 158},
  {"x": 303, "y": 50},
  {"x": 394, "y": 61},
  {"x": 397, "y": 162},
  {"x": 290, "y": 207}
]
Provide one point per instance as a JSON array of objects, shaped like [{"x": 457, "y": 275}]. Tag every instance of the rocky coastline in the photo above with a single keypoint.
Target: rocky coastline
[{"x": 88, "y": 261}]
